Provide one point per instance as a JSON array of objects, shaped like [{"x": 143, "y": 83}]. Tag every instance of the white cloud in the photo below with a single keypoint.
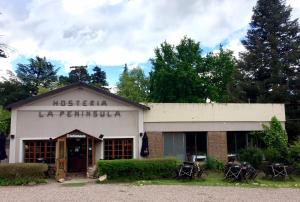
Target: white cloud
[
  {"x": 115, "y": 32},
  {"x": 4, "y": 66}
]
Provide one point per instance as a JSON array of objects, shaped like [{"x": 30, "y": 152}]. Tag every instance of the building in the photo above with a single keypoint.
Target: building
[{"x": 76, "y": 125}]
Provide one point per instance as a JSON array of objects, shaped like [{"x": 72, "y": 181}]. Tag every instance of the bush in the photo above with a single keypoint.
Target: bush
[
  {"x": 297, "y": 168},
  {"x": 21, "y": 181},
  {"x": 213, "y": 164},
  {"x": 254, "y": 156},
  {"x": 275, "y": 137},
  {"x": 19, "y": 171},
  {"x": 138, "y": 169},
  {"x": 272, "y": 155},
  {"x": 295, "y": 151}
]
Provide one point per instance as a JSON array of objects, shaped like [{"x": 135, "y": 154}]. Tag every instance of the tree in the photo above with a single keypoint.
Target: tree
[
  {"x": 12, "y": 90},
  {"x": 181, "y": 74},
  {"x": 270, "y": 64},
  {"x": 79, "y": 74},
  {"x": 98, "y": 78},
  {"x": 53, "y": 86},
  {"x": 275, "y": 137},
  {"x": 219, "y": 72},
  {"x": 39, "y": 72},
  {"x": 174, "y": 76},
  {"x": 133, "y": 85},
  {"x": 63, "y": 80},
  {"x": 4, "y": 121}
]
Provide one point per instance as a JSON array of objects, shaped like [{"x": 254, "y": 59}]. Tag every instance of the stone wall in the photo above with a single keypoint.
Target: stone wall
[
  {"x": 156, "y": 144},
  {"x": 217, "y": 145}
]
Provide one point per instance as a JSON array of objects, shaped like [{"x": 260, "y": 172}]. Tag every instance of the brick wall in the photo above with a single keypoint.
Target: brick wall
[
  {"x": 156, "y": 144},
  {"x": 217, "y": 145}
]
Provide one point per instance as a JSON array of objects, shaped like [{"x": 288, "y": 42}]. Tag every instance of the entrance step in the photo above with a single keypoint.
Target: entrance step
[{"x": 78, "y": 182}]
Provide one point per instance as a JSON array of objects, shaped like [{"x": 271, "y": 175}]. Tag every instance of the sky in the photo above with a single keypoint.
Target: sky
[{"x": 110, "y": 33}]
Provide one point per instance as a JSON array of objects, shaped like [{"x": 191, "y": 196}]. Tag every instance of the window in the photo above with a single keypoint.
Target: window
[
  {"x": 185, "y": 146},
  {"x": 196, "y": 143},
  {"x": 174, "y": 145},
  {"x": 41, "y": 149},
  {"x": 238, "y": 140},
  {"x": 118, "y": 149}
]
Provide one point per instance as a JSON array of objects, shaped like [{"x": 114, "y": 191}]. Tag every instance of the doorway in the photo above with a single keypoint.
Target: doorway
[{"x": 77, "y": 155}]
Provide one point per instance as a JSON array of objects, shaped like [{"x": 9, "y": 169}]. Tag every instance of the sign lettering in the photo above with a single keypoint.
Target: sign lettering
[
  {"x": 79, "y": 103},
  {"x": 79, "y": 114}
]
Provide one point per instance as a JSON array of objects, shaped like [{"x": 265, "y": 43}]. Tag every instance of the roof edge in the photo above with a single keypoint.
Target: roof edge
[{"x": 78, "y": 84}]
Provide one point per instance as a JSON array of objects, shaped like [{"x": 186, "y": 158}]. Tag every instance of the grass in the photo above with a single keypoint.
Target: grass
[{"x": 216, "y": 179}]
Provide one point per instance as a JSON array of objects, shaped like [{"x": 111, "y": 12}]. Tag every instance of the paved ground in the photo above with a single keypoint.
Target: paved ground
[{"x": 122, "y": 192}]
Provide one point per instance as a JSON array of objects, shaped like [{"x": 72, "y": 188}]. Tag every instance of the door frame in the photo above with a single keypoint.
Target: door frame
[{"x": 61, "y": 160}]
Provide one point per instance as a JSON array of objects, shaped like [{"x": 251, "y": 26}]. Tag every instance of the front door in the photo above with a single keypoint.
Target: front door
[
  {"x": 61, "y": 158},
  {"x": 77, "y": 154}
]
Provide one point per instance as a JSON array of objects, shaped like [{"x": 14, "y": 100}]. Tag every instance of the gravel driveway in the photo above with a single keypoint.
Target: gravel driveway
[{"x": 123, "y": 192}]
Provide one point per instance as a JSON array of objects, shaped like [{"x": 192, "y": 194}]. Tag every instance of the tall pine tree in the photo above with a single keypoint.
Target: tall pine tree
[
  {"x": 98, "y": 78},
  {"x": 270, "y": 64},
  {"x": 39, "y": 72}
]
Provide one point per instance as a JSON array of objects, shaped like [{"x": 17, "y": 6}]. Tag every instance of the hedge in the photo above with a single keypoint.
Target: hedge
[
  {"x": 138, "y": 169},
  {"x": 18, "y": 171}
]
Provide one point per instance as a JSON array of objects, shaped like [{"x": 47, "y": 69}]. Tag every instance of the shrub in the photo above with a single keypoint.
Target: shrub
[
  {"x": 138, "y": 169},
  {"x": 295, "y": 151},
  {"x": 275, "y": 137},
  {"x": 253, "y": 156},
  {"x": 297, "y": 168},
  {"x": 213, "y": 164},
  {"x": 14, "y": 171},
  {"x": 272, "y": 155},
  {"x": 21, "y": 181}
]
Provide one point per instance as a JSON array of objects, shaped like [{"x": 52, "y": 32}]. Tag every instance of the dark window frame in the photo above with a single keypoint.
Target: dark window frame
[
  {"x": 35, "y": 149},
  {"x": 118, "y": 148}
]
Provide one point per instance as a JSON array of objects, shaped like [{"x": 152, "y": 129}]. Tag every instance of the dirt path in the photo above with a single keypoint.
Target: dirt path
[{"x": 123, "y": 192}]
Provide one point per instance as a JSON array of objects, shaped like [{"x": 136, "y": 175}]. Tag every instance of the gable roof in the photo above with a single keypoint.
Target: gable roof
[
  {"x": 79, "y": 131},
  {"x": 103, "y": 91}
]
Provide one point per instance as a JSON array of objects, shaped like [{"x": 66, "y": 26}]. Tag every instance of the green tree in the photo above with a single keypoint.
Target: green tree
[
  {"x": 219, "y": 73},
  {"x": 270, "y": 64},
  {"x": 53, "y": 86},
  {"x": 79, "y": 74},
  {"x": 174, "y": 76},
  {"x": 275, "y": 137},
  {"x": 181, "y": 74},
  {"x": 39, "y": 72},
  {"x": 4, "y": 121},
  {"x": 133, "y": 85},
  {"x": 12, "y": 90},
  {"x": 98, "y": 78},
  {"x": 63, "y": 80}
]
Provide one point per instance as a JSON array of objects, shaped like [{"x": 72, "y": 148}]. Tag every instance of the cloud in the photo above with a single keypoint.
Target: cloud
[{"x": 115, "y": 32}]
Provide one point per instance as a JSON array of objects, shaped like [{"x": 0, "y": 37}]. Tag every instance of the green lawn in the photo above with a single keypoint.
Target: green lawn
[{"x": 216, "y": 179}]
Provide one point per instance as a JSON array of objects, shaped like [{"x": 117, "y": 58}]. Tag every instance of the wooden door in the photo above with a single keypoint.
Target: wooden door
[{"x": 61, "y": 158}]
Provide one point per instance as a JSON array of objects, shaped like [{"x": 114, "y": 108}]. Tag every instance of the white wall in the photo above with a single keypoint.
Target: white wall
[{"x": 213, "y": 112}]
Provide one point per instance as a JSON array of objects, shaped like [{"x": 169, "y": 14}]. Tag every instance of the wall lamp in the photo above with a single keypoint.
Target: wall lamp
[
  {"x": 101, "y": 137},
  {"x": 12, "y": 136}
]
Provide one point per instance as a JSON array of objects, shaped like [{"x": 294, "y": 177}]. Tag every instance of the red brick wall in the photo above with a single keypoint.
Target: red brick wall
[
  {"x": 217, "y": 145},
  {"x": 156, "y": 144}
]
